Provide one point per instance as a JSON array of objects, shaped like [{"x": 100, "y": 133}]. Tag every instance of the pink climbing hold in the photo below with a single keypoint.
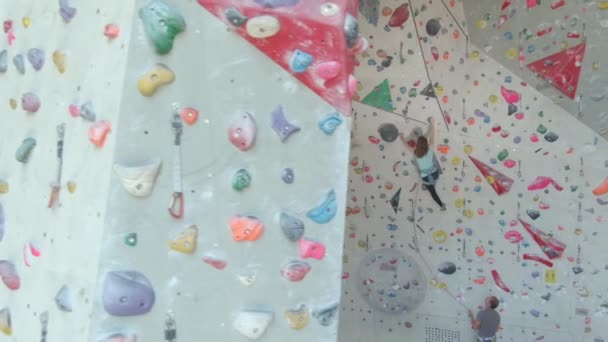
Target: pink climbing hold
[
  {"x": 9, "y": 275},
  {"x": 513, "y": 236},
  {"x": 509, "y": 163},
  {"x": 511, "y": 96},
  {"x": 74, "y": 110},
  {"x": 534, "y": 138},
  {"x": 311, "y": 249},
  {"x": 538, "y": 258},
  {"x": 329, "y": 70},
  {"x": 295, "y": 270},
  {"x": 542, "y": 182},
  {"x": 30, "y": 102},
  {"x": 242, "y": 132},
  {"x": 111, "y": 31},
  {"x": 98, "y": 132},
  {"x": 400, "y": 16}
]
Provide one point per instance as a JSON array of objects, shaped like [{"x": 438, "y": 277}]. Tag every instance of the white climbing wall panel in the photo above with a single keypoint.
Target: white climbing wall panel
[
  {"x": 472, "y": 119},
  {"x": 67, "y": 237}
]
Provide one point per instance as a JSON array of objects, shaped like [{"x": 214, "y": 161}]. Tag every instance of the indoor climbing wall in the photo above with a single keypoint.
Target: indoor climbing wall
[
  {"x": 60, "y": 80},
  {"x": 558, "y": 46},
  {"x": 249, "y": 152},
  {"x": 525, "y": 185},
  {"x": 167, "y": 166}
]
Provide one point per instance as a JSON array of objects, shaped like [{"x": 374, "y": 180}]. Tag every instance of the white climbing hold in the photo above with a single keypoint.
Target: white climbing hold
[
  {"x": 252, "y": 324},
  {"x": 263, "y": 26},
  {"x": 139, "y": 180}
]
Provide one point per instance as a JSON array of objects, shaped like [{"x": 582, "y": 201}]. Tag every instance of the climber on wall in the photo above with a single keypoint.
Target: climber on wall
[
  {"x": 427, "y": 164},
  {"x": 487, "y": 321}
]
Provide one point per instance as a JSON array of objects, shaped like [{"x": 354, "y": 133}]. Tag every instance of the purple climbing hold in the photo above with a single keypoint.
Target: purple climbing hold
[
  {"x": 67, "y": 11},
  {"x": 276, "y": 3},
  {"x": 36, "y": 58},
  {"x": 280, "y": 125},
  {"x": 30, "y": 102},
  {"x": 288, "y": 176},
  {"x": 127, "y": 293}
]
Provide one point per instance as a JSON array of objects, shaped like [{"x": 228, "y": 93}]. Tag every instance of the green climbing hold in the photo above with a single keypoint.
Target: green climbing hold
[
  {"x": 413, "y": 92},
  {"x": 241, "y": 180},
  {"x": 541, "y": 129},
  {"x": 131, "y": 239},
  {"x": 23, "y": 152},
  {"x": 503, "y": 155},
  {"x": 380, "y": 97},
  {"x": 541, "y": 114},
  {"x": 162, "y": 22}
]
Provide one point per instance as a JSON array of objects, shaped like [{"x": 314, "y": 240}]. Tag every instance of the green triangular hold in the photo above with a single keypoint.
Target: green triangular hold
[{"x": 380, "y": 97}]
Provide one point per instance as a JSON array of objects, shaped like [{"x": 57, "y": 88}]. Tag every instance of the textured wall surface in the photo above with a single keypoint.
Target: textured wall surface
[
  {"x": 66, "y": 237},
  {"x": 472, "y": 121},
  {"x": 112, "y": 249},
  {"x": 516, "y": 33}
]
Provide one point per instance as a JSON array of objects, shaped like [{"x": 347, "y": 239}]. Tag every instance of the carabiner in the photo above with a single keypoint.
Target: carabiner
[{"x": 176, "y": 205}]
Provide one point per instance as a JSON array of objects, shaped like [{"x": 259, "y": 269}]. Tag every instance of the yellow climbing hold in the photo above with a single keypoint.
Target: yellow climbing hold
[
  {"x": 550, "y": 276},
  {"x": 595, "y": 66},
  {"x": 468, "y": 213},
  {"x": 602, "y": 4},
  {"x": 564, "y": 45},
  {"x": 456, "y": 161},
  {"x": 493, "y": 99},
  {"x": 441, "y": 285},
  {"x": 71, "y": 187},
  {"x": 438, "y": 90},
  {"x": 474, "y": 54},
  {"x": 440, "y": 236},
  {"x": 159, "y": 76},
  {"x": 5, "y": 322},
  {"x": 3, "y": 187},
  {"x": 185, "y": 242},
  {"x": 481, "y": 24},
  {"x": 433, "y": 283},
  {"x": 490, "y": 180},
  {"x": 12, "y": 103},
  {"x": 512, "y": 53},
  {"x": 26, "y": 22},
  {"x": 59, "y": 61},
  {"x": 459, "y": 203},
  {"x": 297, "y": 318},
  {"x": 468, "y": 149}
]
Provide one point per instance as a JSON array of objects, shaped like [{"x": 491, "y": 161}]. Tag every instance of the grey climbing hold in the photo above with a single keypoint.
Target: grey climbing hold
[
  {"x": 19, "y": 63},
  {"x": 292, "y": 227},
  {"x": 551, "y": 137},
  {"x": 534, "y": 214},
  {"x": 3, "y": 61},
  {"x": 288, "y": 176},
  {"x": 127, "y": 293},
  {"x": 36, "y": 58},
  {"x": 277, "y": 3},
  {"x": 66, "y": 11},
  {"x": 388, "y": 132},
  {"x": 351, "y": 30},
  {"x": 87, "y": 111},
  {"x": 512, "y": 109},
  {"x": 433, "y": 26},
  {"x": 23, "y": 152},
  {"x": 235, "y": 17},
  {"x": 326, "y": 315},
  {"x": 63, "y": 299},
  {"x": 447, "y": 267}
]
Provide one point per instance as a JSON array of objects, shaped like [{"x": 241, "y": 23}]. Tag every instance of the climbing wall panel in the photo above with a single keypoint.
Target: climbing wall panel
[{"x": 547, "y": 277}]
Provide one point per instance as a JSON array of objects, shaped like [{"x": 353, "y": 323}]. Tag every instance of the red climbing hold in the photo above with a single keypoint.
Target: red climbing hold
[
  {"x": 499, "y": 182},
  {"x": 562, "y": 69},
  {"x": 552, "y": 247},
  {"x": 309, "y": 27},
  {"x": 400, "y": 16}
]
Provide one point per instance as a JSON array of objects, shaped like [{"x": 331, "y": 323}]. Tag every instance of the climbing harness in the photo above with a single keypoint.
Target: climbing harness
[
  {"x": 56, "y": 185},
  {"x": 176, "y": 205}
]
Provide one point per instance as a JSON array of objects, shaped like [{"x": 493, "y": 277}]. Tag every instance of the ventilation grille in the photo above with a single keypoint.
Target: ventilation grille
[{"x": 442, "y": 335}]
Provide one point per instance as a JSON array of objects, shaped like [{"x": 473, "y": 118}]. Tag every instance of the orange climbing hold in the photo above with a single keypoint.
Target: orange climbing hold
[
  {"x": 111, "y": 31},
  {"x": 246, "y": 228},
  {"x": 99, "y": 132},
  {"x": 601, "y": 189}
]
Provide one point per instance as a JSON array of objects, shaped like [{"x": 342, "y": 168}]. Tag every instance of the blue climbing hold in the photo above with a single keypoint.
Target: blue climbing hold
[
  {"x": 326, "y": 211},
  {"x": 330, "y": 123},
  {"x": 300, "y": 61}
]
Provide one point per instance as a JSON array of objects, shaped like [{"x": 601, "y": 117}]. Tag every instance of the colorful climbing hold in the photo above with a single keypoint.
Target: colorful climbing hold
[
  {"x": 295, "y": 270},
  {"x": 131, "y": 239},
  {"x": 185, "y": 242},
  {"x": 246, "y": 228},
  {"x": 330, "y": 123},
  {"x": 59, "y": 60},
  {"x": 98, "y": 133},
  {"x": 127, "y": 293},
  {"x": 30, "y": 102},
  {"x": 300, "y": 61},
  {"x": 162, "y": 23},
  {"x": 241, "y": 180},
  {"x": 242, "y": 132},
  {"x": 298, "y": 317},
  {"x": 311, "y": 249},
  {"x": 111, "y": 31},
  {"x": 25, "y": 149},
  {"x": 160, "y": 75},
  {"x": 280, "y": 124},
  {"x": 292, "y": 227},
  {"x": 263, "y": 26},
  {"x": 325, "y": 211},
  {"x": 36, "y": 58},
  {"x": 190, "y": 115},
  {"x": 287, "y": 175}
]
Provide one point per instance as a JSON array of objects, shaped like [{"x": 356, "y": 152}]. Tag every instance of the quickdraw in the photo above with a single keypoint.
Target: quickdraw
[
  {"x": 56, "y": 185},
  {"x": 44, "y": 322},
  {"x": 170, "y": 328},
  {"x": 176, "y": 204}
]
